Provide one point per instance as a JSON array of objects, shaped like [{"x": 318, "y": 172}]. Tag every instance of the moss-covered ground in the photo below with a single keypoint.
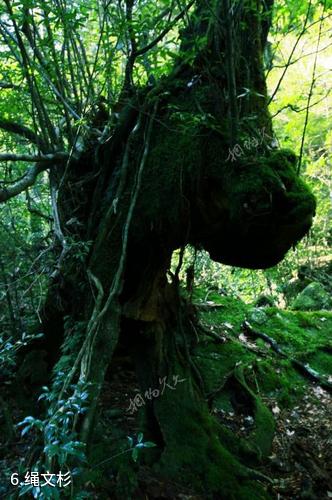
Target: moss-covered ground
[
  {"x": 258, "y": 399},
  {"x": 269, "y": 418},
  {"x": 253, "y": 390},
  {"x": 305, "y": 336}
]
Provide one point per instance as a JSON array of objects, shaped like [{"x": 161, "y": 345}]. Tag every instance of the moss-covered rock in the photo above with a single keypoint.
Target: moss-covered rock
[
  {"x": 257, "y": 315},
  {"x": 313, "y": 298}
]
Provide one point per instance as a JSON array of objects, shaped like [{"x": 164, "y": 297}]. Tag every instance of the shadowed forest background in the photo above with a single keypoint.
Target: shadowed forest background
[{"x": 165, "y": 249}]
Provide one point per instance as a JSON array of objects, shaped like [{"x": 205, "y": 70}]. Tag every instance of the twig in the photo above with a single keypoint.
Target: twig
[
  {"x": 313, "y": 80},
  {"x": 154, "y": 42},
  {"x": 292, "y": 53}
]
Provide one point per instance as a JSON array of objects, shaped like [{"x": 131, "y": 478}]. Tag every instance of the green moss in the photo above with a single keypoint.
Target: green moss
[
  {"x": 262, "y": 435},
  {"x": 320, "y": 361},
  {"x": 302, "y": 335},
  {"x": 216, "y": 362},
  {"x": 297, "y": 332},
  {"x": 198, "y": 450},
  {"x": 268, "y": 173},
  {"x": 232, "y": 311},
  {"x": 313, "y": 297},
  {"x": 193, "y": 451}
]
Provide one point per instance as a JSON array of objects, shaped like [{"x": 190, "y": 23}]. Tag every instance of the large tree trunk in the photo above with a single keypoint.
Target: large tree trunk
[
  {"x": 196, "y": 450},
  {"x": 162, "y": 180}
]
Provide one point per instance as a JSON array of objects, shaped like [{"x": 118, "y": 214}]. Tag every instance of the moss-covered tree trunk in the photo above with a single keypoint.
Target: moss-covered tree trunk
[{"x": 190, "y": 160}]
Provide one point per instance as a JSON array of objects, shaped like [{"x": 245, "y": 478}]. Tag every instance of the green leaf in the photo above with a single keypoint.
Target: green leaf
[
  {"x": 25, "y": 489},
  {"x": 149, "y": 444},
  {"x": 25, "y": 430},
  {"x": 52, "y": 450},
  {"x": 135, "y": 454}
]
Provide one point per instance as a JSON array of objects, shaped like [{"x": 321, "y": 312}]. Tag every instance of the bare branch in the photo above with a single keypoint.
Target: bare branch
[
  {"x": 154, "y": 42},
  {"x": 34, "y": 210},
  {"x": 296, "y": 109},
  {"x": 22, "y": 130},
  {"x": 10, "y": 42},
  {"x": 34, "y": 158},
  {"x": 21, "y": 185},
  {"x": 281, "y": 66},
  {"x": 7, "y": 85},
  {"x": 313, "y": 81},
  {"x": 30, "y": 176},
  {"x": 133, "y": 46},
  {"x": 304, "y": 29},
  {"x": 135, "y": 52},
  {"x": 44, "y": 119}
]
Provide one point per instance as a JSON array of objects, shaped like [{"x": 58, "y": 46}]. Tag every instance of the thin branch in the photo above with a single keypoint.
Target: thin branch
[
  {"x": 57, "y": 227},
  {"x": 291, "y": 29},
  {"x": 10, "y": 42},
  {"x": 135, "y": 52},
  {"x": 154, "y": 42},
  {"x": 34, "y": 210},
  {"x": 228, "y": 28},
  {"x": 304, "y": 29},
  {"x": 22, "y": 130},
  {"x": 37, "y": 101},
  {"x": 280, "y": 66},
  {"x": 7, "y": 85},
  {"x": 61, "y": 155},
  {"x": 21, "y": 185},
  {"x": 313, "y": 81},
  {"x": 133, "y": 46},
  {"x": 60, "y": 81},
  {"x": 296, "y": 109},
  {"x": 57, "y": 86}
]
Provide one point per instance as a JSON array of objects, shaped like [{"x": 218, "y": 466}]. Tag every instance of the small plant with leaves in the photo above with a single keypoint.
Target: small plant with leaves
[
  {"x": 135, "y": 444},
  {"x": 62, "y": 447}
]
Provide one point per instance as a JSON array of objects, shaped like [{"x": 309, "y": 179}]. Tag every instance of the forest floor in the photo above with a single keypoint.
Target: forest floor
[{"x": 299, "y": 462}]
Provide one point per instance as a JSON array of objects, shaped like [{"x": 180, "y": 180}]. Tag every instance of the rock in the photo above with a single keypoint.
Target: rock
[
  {"x": 313, "y": 298},
  {"x": 291, "y": 289},
  {"x": 258, "y": 316}
]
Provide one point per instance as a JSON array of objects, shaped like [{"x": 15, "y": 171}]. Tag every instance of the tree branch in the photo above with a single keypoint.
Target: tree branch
[
  {"x": 34, "y": 210},
  {"x": 34, "y": 158},
  {"x": 313, "y": 81},
  {"x": 30, "y": 176},
  {"x": 154, "y": 42},
  {"x": 304, "y": 29},
  {"x": 22, "y": 130},
  {"x": 7, "y": 85},
  {"x": 37, "y": 101},
  {"x": 27, "y": 180},
  {"x": 296, "y": 109}
]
